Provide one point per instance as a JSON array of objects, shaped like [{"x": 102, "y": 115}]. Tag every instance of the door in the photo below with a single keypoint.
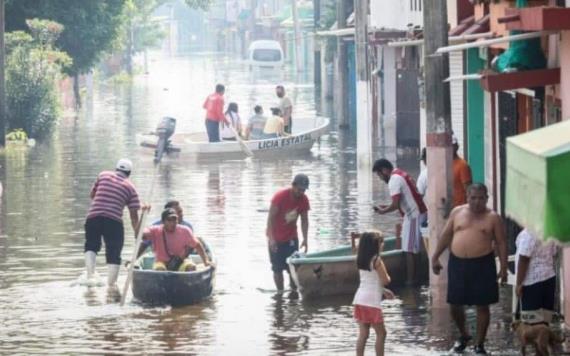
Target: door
[{"x": 407, "y": 108}]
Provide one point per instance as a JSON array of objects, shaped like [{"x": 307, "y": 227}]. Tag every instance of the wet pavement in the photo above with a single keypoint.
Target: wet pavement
[{"x": 46, "y": 197}]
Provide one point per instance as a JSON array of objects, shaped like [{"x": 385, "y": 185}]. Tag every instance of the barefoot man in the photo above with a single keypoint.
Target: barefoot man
[{"x": 471, "y": 234}]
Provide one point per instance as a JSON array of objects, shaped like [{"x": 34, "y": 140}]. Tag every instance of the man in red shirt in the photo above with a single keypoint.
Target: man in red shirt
[
  {"x": 286, "y": 206},
  {"x": 214, "y": 106}
]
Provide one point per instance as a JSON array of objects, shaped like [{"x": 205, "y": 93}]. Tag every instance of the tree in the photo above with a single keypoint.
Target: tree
[
  {"x": 90, "y": 28},
  {"x": 33, "y": 67}
]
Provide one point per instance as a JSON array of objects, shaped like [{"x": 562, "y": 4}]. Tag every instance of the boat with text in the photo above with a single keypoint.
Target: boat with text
[{"x": 306, "y": 131}]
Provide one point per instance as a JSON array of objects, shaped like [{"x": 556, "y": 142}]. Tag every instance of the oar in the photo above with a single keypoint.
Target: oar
[
  {"x": 138, "y": 239},
  {"x": 242, "y": 144}
]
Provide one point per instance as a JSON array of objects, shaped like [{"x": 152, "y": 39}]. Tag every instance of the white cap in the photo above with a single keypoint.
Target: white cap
[{"x": 124, "y": 165}]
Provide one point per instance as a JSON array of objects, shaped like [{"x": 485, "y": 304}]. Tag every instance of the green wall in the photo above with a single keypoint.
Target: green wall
[{"x": 475, "y": 117}]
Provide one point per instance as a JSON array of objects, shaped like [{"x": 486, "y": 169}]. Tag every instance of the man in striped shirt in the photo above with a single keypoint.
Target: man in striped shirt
[{"x": 110, "y": 194}]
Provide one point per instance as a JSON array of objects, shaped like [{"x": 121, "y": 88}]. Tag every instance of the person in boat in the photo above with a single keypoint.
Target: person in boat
[
  {"x": 368, "y": 298},
  {"x": 172, "y": 243},
  {"x": 234, "y": 120},
  {"x": 274, "y": 127},
  {"x": 256, "y": 124},
  {"x": 286, "y": 108},
  {"x": 535, "y": 278},
  {"x": 286, "y": 207},
  {"x": 407, "y": 200},
  {"x": 173, "y": 204},
  {"x": 214, "y": 106},
  {"x": 110, "y": 194},
  {"x": 471, "y": 234}
]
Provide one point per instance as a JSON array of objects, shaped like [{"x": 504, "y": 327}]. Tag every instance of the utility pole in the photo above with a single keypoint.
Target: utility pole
[
  {"x": 2, "y": 80},
  {"x": 439, "y": 151},
  {"x": 317, "y": 54},
  {"x": 363, "y": 112},
  {"x": 341, "y": 93},
  {"x": 297, "y": 34}
]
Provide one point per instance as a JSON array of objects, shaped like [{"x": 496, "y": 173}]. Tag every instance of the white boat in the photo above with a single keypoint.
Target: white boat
[{"x": 306, "y": 131}]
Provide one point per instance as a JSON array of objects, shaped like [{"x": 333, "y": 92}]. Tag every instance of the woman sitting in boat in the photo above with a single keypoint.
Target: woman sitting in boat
[
  {"x": 172, "y": 243},
  {"x": 256, "y": 124},
  {"x": 275, "y": 126},
  {"x": 227, "y": 133}
]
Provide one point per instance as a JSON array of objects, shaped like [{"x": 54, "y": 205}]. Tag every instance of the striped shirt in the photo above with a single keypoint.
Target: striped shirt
[{"x": 111, "y": 193}]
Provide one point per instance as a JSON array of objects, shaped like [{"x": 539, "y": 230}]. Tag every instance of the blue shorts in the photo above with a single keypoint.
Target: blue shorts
[{"x": 279, "y": 258}]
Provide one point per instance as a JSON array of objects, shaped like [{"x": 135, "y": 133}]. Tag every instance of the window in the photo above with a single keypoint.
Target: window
[{"x": 267, "y": 55}]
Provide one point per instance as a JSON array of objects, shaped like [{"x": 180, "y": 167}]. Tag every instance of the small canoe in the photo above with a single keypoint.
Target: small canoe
[
  {"x": 334, "y": 272},
  {"x": 172, "y": 288},
  {"x": 306, "y": 131}
]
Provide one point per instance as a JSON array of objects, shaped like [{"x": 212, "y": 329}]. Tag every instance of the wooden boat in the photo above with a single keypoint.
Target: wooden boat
[
  {"x": 306, "y": 131},
  {"x": 172, "y": 288},
  {"x": 334, "y": 272}
]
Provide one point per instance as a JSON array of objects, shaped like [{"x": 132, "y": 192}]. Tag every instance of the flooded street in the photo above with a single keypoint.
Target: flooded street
[{"x": 46, "y": 198}]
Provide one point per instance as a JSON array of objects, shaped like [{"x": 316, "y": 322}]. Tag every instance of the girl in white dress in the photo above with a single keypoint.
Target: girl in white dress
[{"x": 368, "y": 297}]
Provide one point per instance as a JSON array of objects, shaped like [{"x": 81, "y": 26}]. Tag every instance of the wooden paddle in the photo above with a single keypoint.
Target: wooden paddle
[
  {"x": 138, "y": 238},
  {"x": 133, "y": 257},
  {"x": 242, "y": 144}
]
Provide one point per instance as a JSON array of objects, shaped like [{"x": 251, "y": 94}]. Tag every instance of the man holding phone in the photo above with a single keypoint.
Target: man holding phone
[{"x": 407, "y": 200}]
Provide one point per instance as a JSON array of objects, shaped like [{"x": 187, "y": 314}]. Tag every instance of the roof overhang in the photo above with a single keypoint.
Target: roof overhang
[{"x": 493, "y": 81}]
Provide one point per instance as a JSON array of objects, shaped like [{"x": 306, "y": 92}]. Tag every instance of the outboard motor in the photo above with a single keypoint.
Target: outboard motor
[{"x": 164, "y": 130}]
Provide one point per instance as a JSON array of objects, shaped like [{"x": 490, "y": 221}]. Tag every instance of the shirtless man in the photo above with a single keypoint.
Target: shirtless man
[{"x": 471, "y": 234}]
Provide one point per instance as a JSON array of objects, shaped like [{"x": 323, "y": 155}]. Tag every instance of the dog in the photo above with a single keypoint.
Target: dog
[{"x": 539, "y": 335}]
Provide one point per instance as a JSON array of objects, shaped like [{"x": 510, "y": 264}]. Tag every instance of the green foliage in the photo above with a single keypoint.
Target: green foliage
[
  {"x": 90, "y": 26},
  {"x": 33, "y": 67},
  {"x": 139, "y": 24},
  {"x": 199, "y": 4}
]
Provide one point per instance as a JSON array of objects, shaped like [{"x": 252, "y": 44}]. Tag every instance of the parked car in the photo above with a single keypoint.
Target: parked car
[{"x": 265, "y": 54}]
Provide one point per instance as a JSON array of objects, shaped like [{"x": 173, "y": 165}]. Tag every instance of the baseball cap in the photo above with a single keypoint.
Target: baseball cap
[
  {"x": 301, "y": 181},
  {"x": 168, "y": 213},
  {"x": 124, "y": 165}
]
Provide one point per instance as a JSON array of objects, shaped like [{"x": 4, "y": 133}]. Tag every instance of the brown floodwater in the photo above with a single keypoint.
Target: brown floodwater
[{"x": 46, "y": 197}]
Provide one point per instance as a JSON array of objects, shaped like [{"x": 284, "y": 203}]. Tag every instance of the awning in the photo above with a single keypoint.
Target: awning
[
  {"x": 490, "y": 42},
  {"x": 538, "y": 176}
]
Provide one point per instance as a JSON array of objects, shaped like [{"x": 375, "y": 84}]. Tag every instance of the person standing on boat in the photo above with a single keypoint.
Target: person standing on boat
[
  {"x": 110, "y": 194},
  {"x": 172, "y": 243},
  {"x": 256, "y": 124},
  {"x": 214, "y": 106},
  {"x": 286, "y": 108},
  {"x": 233, "y": 118},
  {"x": 408, "y": 201},
  {"x": 471, "y": 234},
  {"x": 286, "y": 207}
]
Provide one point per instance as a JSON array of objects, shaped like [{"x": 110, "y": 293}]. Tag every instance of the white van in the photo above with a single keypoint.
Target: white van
[{"x": 265, "y": 54}]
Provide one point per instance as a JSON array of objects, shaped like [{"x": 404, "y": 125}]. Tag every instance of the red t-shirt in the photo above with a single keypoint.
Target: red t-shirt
[
  {"x": 214, "y": 106},
  {"x": 284, "y": 227},
  {"x": 178, "y": 241}
]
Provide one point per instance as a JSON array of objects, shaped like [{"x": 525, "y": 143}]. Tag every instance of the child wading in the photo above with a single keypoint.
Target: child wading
[{"x": 368, "y": 297}]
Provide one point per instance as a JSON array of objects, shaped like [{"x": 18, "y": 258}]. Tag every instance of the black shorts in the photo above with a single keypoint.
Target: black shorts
[
  {"x": 112, "y": 232},
  {"x": 279, "y": 258},
  {"x": 540, "y": 295},
  {"x": 472, "y": 281}
]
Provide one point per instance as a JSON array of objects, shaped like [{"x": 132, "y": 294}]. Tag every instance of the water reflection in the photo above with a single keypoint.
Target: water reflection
[{"x": 46, "y": 197}]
